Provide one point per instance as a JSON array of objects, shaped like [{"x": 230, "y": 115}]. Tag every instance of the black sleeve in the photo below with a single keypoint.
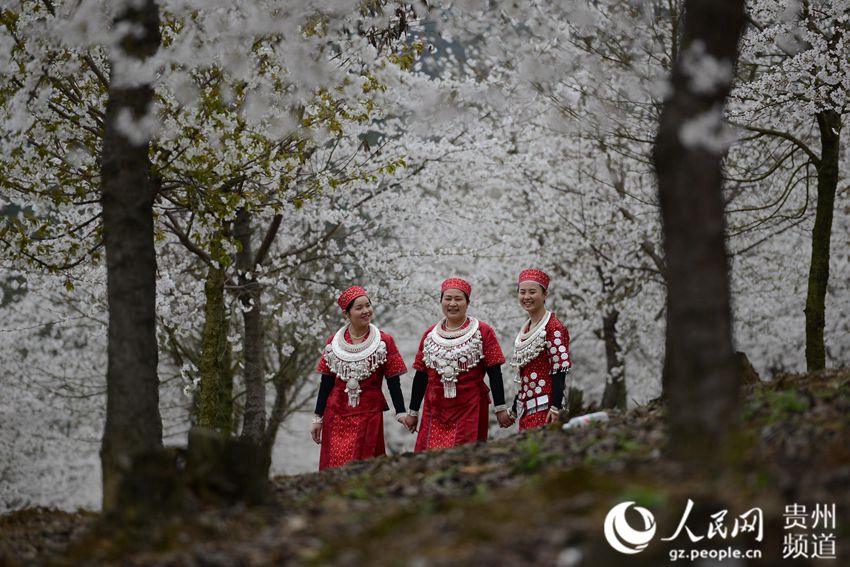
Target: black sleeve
[
  {"x": 417, "y": 392},
  {"x": 558, "y": 379},
  {"x": 394, "y": 384},
  {"x": 324, "y": 391},
  {"x": 496, "y": 385},
  {"x": 513, "y": 408}
]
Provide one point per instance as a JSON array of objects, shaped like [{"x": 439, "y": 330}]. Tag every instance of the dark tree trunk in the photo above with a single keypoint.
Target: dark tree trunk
[
  {"x": 291, "y": 391},
  {"x": 575, "y": 401},
  {"x": 700, "y": 383},
  {"x": 219, "y": 467},
  {"x": 280, "y": 405},
  {"x": 133, "y": 424},
  {"x": 285, "y": 383},
  {"x": 216, "y": 387},
  {"x": 254, "y": 420},
  {"x": 829, "y": 123},
  {"x": 614, "y": 395}
]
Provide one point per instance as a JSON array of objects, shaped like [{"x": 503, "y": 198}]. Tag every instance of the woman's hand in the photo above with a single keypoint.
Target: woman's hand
[
  {"x": 553, "y": 416},
  {"x": 410, "y": 422},
  {"x": 504, "y": 419},
  {"x": 316, "y": 432}
]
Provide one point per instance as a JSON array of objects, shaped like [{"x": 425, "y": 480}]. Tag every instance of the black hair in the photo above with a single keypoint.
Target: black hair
[
  {"x": 351, "y": 303},
  {"x": 541, "y": 287},
  {"x": 460, "y": 290}
]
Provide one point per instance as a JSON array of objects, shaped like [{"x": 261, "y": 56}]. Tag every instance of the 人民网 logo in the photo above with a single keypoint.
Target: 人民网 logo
[{"x": 623, "y": 537}]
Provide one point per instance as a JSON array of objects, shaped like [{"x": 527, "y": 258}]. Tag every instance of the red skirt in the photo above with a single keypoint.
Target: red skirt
[
  {"x": 469, "y": 426},
  {"x": 351, "y": 438}
]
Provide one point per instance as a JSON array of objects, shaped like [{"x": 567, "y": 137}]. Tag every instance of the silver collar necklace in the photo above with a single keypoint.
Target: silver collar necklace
[
  {"x": 353, "y": 363},
  {"x": 528, "y": 345},
  {"x": 452, "y": 353}
]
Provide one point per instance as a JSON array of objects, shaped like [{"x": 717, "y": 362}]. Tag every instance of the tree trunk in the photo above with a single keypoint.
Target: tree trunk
[
  {"x": 575, "y": 401},
  {"x": 288, "y": 384},
  {"x": 279, "y": 411},
  {"x": 285, "y": 382},
  {"x": 254, "y": 420},
  {"x": 614, "y": 395},
  {"x": 216, "y": 387},
  {"x": 700, "y": 380},
  {"x": 219, "y": 467},
  {"x": 829, "y": 123},
  {"x": 133, "y": 423}
]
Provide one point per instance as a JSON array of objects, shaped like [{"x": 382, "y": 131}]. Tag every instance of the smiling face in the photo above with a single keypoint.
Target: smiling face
[
  {"x": 360, "y": 312},
  {"x": 532, "y": 297},
  {"x": 454, "y": 304}
]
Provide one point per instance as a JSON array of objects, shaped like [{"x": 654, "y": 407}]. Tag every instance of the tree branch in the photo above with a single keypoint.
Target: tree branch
[
  {"x": 785, "y": 136},
  {"x": 172, "y": 224}
]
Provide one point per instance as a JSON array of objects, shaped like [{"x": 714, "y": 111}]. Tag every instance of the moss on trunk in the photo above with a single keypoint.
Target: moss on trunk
[{"x": 216, "y": 388}]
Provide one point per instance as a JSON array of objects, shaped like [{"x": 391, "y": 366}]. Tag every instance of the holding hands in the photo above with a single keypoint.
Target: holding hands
[
  {"x": 409, "y": 421},
  {"x": 504, "y": 418}
]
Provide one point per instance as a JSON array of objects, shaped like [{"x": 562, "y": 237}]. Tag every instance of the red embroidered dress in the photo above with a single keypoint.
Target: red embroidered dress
[
  {"x": 538, "y": 356},
  {"x": 456, "y": 398},
  {"x": 353, "y": 424}
]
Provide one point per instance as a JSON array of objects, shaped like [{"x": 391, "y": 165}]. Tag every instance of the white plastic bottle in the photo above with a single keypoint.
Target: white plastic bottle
[{"x": 582, "y": 420}]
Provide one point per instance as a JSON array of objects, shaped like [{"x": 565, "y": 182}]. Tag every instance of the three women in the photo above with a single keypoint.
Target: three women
[{"x": 453, "y": 357}]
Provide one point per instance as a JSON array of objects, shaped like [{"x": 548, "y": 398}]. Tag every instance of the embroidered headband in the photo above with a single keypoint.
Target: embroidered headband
[
  {"x": 536, "y": 276},
  {"x": 350, "y": 295},
  {"x": 457, "y": 283}
]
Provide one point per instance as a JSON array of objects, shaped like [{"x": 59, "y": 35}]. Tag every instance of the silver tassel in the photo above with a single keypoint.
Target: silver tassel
[
  {"x": 352, "y": 386},
  {"x": 450, "y": 389},
  {"x": 354, "y": 398}
]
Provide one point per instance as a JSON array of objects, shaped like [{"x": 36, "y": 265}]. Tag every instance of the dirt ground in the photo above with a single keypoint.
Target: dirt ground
[{"x": 537, "y": 497}]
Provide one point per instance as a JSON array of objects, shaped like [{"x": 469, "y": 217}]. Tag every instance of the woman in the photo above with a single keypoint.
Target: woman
[
  {"x": 541, "y": 355},
  {"x": 450, "y": 365},
  {"x": 349, "y": 421}
]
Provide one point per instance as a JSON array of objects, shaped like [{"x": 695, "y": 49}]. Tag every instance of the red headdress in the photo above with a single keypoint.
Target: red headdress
[
  {"x": 536, "y": 276},
  {"x": 350, "y": 295},
  {"x": 457, "y": 283}
]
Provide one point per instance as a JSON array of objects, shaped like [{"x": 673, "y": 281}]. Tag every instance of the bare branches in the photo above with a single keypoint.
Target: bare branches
[{"x": 813, "y": 157}]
